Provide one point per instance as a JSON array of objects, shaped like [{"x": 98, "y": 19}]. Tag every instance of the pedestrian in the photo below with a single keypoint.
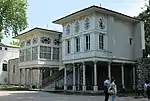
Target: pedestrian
[
  {"x": 147, "y": 88},
  {"x": 113, "y": 89},
  {"x": 106, "y": 86}
]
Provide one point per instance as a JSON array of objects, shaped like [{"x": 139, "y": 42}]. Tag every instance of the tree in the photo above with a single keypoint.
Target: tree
[
  {"x": 145, "y": 16},
  {"x": 16, "y": 43},
  {"x": 13, "y": 17}
]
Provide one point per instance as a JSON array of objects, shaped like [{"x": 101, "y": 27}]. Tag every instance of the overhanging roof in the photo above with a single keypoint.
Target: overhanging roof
[
  {"x": 94, "y": 9},
  {"x": 36, "y": 28}
]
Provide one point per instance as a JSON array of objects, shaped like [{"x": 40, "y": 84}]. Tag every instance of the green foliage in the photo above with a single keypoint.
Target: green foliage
[
  {"x": 145, "y": 16},
  {"x": 16, "y": 43},
  {"x": 13, "y": 17},
  {"x": 12, "y": 88}
]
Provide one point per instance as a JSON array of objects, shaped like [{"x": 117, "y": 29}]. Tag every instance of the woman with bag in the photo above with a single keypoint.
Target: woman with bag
[{"x": 113, "y": 89}]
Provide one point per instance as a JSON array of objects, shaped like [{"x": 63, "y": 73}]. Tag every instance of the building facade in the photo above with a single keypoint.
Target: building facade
[
  {"x": 101, "y": 43},
  {"x": 96, "y": 43},
  {"x": 39, "y": 56},
  {"x": 6, "y": 53}
]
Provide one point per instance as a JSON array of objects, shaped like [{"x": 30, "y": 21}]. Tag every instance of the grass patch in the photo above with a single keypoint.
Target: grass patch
[{"x": 13, "y": 88}]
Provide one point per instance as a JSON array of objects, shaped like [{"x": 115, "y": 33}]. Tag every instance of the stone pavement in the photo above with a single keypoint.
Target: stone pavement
[{"x": 44, "y": 96}]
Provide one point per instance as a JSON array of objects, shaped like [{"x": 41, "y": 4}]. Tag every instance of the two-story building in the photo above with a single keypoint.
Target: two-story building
[
  {"x": 38, "y": 58},
  {"x": 99, "y": 42}
]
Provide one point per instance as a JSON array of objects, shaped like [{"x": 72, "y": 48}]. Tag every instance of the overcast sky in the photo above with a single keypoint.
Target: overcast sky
[{"x": 41, "y": 13}]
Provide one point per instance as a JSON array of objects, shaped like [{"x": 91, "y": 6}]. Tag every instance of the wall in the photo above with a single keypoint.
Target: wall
[
  {"x": 6, "y": 55},
  {"x": 119, "y": 32}
]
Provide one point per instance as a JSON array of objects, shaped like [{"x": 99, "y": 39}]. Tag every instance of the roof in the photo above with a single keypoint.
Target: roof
[
  {"x": 11, "y": 46},
  {"x": 38, "y": 29},
  {"x": 95, "y": 8}
]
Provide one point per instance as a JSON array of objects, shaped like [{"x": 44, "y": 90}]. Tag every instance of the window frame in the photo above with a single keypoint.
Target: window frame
[
  {"x": 77, "y": 44},
  {"x": 68, "y": 42},
  {"x": 44, "y": 52},
  {"x": 86, "y": 23},
  {"x": 101, "y": 41},
  {"x": 77, "y": 27},
  {"x": 55, "y": 53},
  {"x": 87, "y": 42}
]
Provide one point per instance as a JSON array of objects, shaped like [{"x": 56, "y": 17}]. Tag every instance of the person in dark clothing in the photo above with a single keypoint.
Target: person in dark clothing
[
  {"x": 106, "y": 86},
  {"x": 147, "y": 88}
]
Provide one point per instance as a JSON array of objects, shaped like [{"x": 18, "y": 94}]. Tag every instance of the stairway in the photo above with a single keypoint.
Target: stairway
[{"x": 54, "y": 82}]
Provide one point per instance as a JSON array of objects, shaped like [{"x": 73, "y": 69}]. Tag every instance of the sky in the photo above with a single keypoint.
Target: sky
[{"x": 41, "y": 13}]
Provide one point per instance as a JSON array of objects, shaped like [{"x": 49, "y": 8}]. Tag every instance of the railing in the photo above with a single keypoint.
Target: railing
[{"x": 51, "y": 80}]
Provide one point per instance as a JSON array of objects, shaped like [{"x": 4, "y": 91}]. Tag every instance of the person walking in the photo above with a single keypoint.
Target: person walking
[
  {"x": 106, "y": 86},
  {"x": 113, "y": 89},
  {"x": 147, "y": 88}
]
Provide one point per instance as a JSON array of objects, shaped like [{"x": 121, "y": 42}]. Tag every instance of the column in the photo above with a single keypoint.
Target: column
[
  {"x": 78, "y": 77},
  {"x": 65, "y": 78},
  {"x": 84, "y": 79},
  {"x": 20, "y": 77},
  {"x": 51, "y": 72},
  {"x": 109, "y": 69},
  {"x": 38, "y": 78},
  {"x": 95, "y": 77},
  {"x": 31, "y": 79},
  {"x": 74, "y": 77},
  {"x": 122, "y": 75},
  {"x": 41, "y": 77},
  {"x": 133, "y": 78},
  {"x": 25, "y": 77}
]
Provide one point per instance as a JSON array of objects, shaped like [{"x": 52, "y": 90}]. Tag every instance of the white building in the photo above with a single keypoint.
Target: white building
[
  {"x": 96, "y": 43},
  {"x": 102, "y": 43},
  {"x": 6, "y": 53},
  {"x": 39, "y": 56}
]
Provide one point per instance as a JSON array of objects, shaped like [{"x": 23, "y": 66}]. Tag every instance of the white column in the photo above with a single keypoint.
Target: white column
[
  {"x": 84, "y": 79},
  {"x": 65, "y": 78},
  {"x": 109, "y": 69},
  {"x": 20, "y": 77},
  {"x": 74, "y": 77},
  {"x": 134, "y": 78},
  {"x": 78, "y": 77},
  {"x": 41, "y": 77},
  {"x": 51, "y": 72},
  {"x": 122, "y": 75},
  {"x": 95, "y": 76},
  {"x": 31, "y": 79},
  {"x": 38, "y": 78},
  {"x": 25, "y": 77}
]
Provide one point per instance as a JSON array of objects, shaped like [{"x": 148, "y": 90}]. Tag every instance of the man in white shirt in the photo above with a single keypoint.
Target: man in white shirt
[{"x": 106, "y": 86}]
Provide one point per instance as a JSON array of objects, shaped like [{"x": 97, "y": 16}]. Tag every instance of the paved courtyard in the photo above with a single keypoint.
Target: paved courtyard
[{"x": 44, "y": 96}]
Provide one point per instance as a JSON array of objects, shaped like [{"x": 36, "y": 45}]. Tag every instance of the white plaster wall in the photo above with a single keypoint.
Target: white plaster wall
[
  {"x": 6, "y": 55},
  {"x": 117, "y": 32}
]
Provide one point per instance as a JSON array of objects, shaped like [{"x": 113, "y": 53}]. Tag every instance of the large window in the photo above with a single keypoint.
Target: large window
[
  {"x": 45, "y": 40},
  {"x": 4, "y": 67},
  {"x": 101, "y": 41},
  {"x": 28, "y": 54},
  {"x": 35, "y": 53},
  {"x": 68, "y": 46},
  {"x": 87, "y": 42},
  {"x": 77, "y": 39},
  {"x": 55, "y": 53},
  {"x": 45, "y": 52},
  {"x": 22, "y": 55}
]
